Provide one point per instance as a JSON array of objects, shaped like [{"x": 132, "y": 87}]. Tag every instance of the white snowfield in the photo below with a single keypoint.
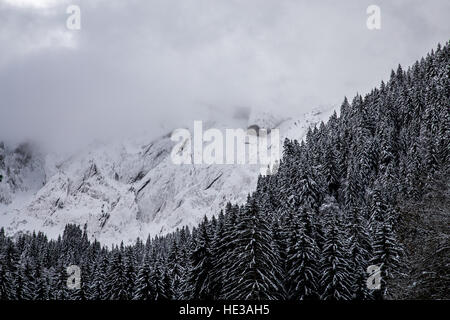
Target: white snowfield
[{"x": 126, "y": 190}]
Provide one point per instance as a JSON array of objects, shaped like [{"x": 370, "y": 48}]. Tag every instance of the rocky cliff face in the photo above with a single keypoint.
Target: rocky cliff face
[{"x": 125, "y": 190}]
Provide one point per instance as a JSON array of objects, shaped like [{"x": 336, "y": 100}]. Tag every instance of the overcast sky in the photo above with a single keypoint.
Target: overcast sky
[{"x": 151, "y": 63}]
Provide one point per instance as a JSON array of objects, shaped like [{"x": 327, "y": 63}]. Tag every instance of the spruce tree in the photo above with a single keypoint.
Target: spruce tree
[
  {"x": 253, "y": 275},
  {"x": 303, "y": 256},
  {"x": 143, "y": 286},
  {"x": 200, "y": 275},
  {"x": 335, "y": 274}
]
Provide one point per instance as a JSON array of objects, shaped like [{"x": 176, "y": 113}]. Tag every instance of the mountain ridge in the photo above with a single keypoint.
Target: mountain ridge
[{"x": 131, "y": 189}]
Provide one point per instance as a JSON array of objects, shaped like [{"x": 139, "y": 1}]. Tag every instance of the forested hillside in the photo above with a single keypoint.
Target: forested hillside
[{"x": 369, "y": 187}]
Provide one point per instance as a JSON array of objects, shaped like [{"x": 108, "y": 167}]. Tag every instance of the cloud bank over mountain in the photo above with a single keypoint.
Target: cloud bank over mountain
[{"x": 158, "y": 64}]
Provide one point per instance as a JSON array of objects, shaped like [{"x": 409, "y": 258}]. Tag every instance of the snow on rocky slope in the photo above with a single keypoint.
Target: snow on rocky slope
[{"x": 126, "y": 190}]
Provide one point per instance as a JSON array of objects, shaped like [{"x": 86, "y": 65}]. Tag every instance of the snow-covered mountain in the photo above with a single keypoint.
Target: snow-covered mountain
[{"x": 126, "y": 190}]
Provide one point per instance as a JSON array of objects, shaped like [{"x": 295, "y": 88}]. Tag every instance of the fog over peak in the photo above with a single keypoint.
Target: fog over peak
[{"x": 152, "y": 65}]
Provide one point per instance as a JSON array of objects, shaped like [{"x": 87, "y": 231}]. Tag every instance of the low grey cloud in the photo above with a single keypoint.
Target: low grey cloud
[{"x": 156, "y": 64}]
